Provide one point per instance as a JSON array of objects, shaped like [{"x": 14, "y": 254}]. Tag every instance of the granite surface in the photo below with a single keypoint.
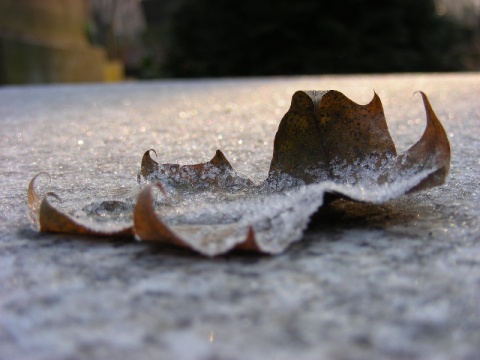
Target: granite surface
[{"x": 394, "y": 281}]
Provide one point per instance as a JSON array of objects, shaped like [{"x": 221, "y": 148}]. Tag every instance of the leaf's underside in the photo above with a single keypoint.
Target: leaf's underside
[{"x": 325, "y": 144}]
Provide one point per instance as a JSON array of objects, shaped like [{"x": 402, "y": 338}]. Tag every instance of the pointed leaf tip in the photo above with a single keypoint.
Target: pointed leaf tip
[
  {"x": 250, "y": 242},
  {"x": 220, "y": 161},
  {"x": 432, "y": 151},
  {"x": 148, "y": 164},
  {"x": 34, "y": 200}
]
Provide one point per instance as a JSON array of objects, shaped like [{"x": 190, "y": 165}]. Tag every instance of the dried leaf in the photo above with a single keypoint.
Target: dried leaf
[
  {"x": 327, "y": 137},
  {"x": 217, "y": 173},
  {"x": 323, "y": 129},
  {"x": 47, "y": 218},
  {"x": 325, "y": 144},
  {"x": 216, "y": 239},
  {"x": 432, "y": 151}
]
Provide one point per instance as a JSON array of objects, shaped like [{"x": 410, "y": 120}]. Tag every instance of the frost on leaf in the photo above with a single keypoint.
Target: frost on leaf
[
  {"x": 47, "y": 217},
  {"x": 216, "y": 173},
  {"x": 325, "y": 144}
]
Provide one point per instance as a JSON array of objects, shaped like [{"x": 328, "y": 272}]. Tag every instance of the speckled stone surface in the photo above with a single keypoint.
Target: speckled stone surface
[{"x": 394, "y": 281}]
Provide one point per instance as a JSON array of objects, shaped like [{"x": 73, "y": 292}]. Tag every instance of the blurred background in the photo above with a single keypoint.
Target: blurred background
[{"x": 45, "y": 41}]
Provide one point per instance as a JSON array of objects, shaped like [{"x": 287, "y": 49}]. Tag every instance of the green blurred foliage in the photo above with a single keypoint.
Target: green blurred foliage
[{"x": 275, "y": 37}]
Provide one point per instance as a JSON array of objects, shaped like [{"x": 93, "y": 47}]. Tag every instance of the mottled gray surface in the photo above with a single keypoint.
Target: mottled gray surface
[{"x": 395, "y": 281}]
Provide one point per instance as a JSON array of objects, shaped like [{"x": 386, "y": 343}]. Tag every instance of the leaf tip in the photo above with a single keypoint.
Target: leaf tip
[
  {"x": 250, "y": 242},
  {"x": 148, "y": 164},
  {"x": 219, "y": 160},
  {"x": 33, "y": 199}
]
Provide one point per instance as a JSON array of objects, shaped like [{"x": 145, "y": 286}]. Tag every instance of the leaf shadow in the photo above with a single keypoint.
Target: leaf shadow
[
  {"x": 160, "y": 249},
  {"x": 346, "y": 214}
]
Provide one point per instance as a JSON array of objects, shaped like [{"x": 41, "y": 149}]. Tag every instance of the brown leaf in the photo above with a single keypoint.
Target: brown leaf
[
  {"x": 325, "y": 144},
  {"x": 215, "y": 173},
  {"x": 323, "y": 128},
  {"x": 47, "y": 218},
  {"x": 34, "y": 202},
  {"x": 218, "y": 239},
  {"x": 432, "y": 151},
  {"x": 326, "y": 137}
]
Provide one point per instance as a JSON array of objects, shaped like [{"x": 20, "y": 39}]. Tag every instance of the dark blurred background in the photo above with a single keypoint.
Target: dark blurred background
[{"x": 111, "y": 40}]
